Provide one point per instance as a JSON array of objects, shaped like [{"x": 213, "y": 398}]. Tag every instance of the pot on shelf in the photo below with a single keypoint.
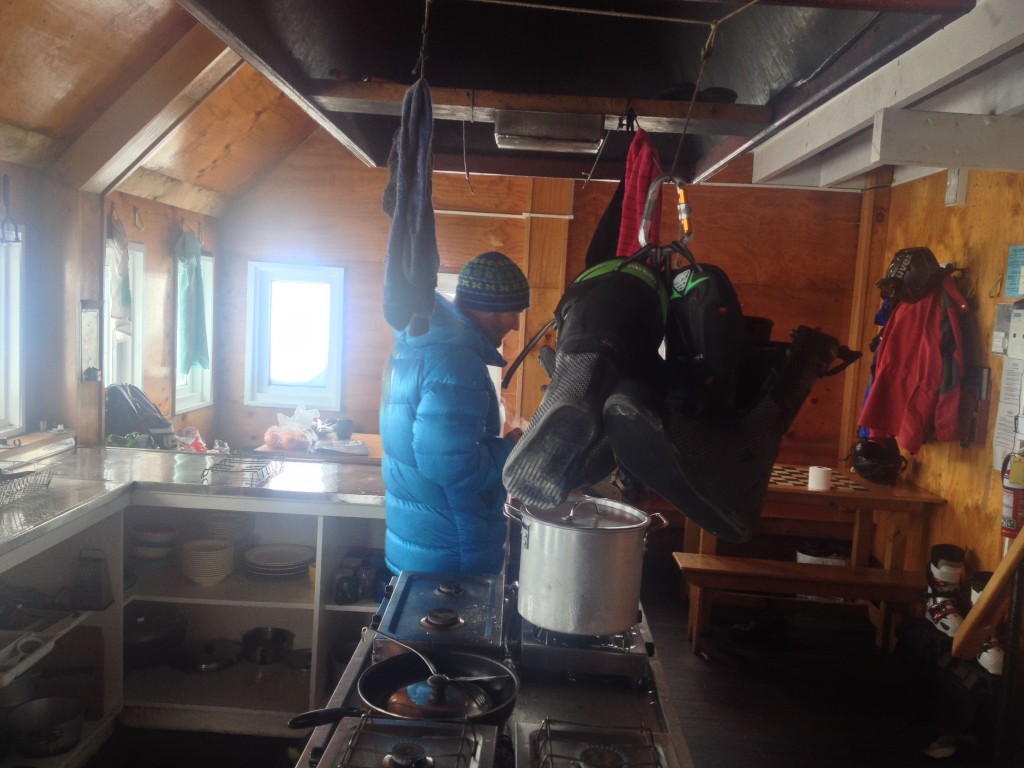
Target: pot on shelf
[
  {"x": 581, "y": 563},
  {"x": 46, "y": 726}
]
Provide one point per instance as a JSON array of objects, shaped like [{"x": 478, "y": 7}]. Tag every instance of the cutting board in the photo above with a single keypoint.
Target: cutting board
[{"x": 986, "y": 614}]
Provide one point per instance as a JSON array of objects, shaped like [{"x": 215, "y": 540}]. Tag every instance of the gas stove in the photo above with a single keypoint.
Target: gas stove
[
  {"x": 560, "y": 744},
  {"x": 625, "y": 653},
  {"x": 460, "y": 613},
  {"x": 378, "y": 742},
  {"x": 566, "y": 681}
]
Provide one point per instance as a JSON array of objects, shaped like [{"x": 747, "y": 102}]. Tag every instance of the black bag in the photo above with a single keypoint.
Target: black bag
[
  {"x": 878, "y": 460},
  {"x": 705, "y": 341},
  {"x": 129, "y": 410}
]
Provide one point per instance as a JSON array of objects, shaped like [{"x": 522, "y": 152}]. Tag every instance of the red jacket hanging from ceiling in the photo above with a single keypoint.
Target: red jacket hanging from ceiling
[{"x": 919, "y": 367}]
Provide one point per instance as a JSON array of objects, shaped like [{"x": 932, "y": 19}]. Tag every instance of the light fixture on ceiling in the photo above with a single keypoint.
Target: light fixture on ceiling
[{"x": 548, "y": 131}]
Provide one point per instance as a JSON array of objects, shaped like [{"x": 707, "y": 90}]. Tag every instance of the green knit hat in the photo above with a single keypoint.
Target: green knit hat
[{"x": 492, "y": 282}]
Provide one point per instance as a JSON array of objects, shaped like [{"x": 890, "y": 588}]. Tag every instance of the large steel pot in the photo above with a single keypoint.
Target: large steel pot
[
  {"x": 46, "y": 726},
  {"x": 581, "y": 563}
]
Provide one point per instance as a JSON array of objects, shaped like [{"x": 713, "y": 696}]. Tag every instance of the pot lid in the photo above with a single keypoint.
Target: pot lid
[
  {"x": 590, "y": 512},
  {"x": 209, "y": 655}
]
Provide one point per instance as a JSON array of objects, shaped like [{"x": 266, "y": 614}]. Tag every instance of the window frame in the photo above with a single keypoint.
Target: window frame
[
  {"x": 12, "y": 362},
  {"x": 194, "y": 389},
  {"x": 259, "y": 390}
]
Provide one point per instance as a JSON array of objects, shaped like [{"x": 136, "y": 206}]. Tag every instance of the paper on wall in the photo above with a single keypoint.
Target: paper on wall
[{"x": 1006, "y": 437}]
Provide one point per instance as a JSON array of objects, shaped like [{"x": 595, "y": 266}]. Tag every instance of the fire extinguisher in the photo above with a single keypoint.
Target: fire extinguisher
[{"x": 1013, "y": 496}]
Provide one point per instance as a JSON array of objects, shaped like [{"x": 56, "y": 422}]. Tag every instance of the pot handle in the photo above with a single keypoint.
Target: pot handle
[
  {"x": 514, "y": 514},
  {"x": 658, "y": 521},
  {"x": 323, "y": 716}
]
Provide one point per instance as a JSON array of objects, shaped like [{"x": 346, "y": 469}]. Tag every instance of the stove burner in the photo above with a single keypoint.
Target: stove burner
[
  {"x": 442, "y": 618},
  {"x": 622, "y": 641},
  {"x": 449, "y": 589},
  {"x": 599, "y": 756},
  {"x": 407, "y": 754}
]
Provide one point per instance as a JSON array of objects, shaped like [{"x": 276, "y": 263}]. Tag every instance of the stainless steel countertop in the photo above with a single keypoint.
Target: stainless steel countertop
[{"x": 86, "y": 479}]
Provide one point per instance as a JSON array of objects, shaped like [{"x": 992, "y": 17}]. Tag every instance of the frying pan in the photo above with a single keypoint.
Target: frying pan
[{"x": 487, "y": 687}]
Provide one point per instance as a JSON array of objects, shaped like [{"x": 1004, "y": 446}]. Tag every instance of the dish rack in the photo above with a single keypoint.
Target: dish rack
[
  {"x": 243, "y": 471},
  {"x": 15, "y": 485}
]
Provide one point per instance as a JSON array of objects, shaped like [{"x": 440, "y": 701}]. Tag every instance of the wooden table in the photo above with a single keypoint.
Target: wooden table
[{"x": 899, "y": 510}]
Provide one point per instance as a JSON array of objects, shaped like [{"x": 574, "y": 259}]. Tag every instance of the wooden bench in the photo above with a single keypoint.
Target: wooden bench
[{"x": 707, "y": 574}]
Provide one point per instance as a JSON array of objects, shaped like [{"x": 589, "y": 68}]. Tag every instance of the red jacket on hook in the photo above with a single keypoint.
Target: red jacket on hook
[{"x": 919, "y": 369}]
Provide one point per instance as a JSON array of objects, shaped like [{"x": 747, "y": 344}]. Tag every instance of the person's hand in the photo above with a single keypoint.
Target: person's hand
[{"x": 514, "y": 435}]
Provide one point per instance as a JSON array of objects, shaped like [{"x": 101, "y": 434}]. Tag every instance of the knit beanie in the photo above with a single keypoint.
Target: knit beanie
[{"x": 492, "y": 283}]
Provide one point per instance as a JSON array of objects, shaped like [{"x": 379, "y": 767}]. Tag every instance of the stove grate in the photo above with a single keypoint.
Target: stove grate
[
  {"x": 562, "y": 744},
  {"x": 378, "y": 743}
]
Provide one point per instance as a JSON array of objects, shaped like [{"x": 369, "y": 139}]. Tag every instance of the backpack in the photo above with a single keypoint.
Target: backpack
[
  {"x": 704, "y": 341},
  {"x": 129, "y": 409}
]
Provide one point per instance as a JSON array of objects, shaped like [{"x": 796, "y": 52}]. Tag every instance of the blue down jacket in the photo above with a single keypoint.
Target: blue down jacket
[{"x": 443, "y": 452}]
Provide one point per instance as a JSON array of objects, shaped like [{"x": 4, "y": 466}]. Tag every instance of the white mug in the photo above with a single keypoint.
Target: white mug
[{"x": 819, "y": 478}]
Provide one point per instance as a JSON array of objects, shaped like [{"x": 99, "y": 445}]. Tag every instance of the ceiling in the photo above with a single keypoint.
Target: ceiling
[{"x": 136, "y": 95}]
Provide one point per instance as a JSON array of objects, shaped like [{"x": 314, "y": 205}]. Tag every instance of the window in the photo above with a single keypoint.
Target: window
[
  {"x": 122, "y": 306},
  {"x": 293, "y": 336},
  {"x": 12, "y": 391},
  {"x": 193, "y": 387}
]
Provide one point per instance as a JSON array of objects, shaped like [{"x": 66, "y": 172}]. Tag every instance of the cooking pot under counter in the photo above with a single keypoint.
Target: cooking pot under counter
[{"x": 581, "y": 564}]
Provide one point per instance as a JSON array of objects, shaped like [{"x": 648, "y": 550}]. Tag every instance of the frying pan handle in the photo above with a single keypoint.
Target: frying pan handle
[{"x": 323, "y": 716}]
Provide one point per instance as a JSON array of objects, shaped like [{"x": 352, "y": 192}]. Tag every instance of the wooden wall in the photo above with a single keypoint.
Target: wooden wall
[
  {"x": 157, "y": 227},
  {"x": 322, "y": 206},
  {"x": 975, "y": 236}
]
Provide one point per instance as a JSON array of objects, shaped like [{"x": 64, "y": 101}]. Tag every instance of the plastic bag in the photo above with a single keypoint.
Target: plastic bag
[{"x": 293, "y": 433}]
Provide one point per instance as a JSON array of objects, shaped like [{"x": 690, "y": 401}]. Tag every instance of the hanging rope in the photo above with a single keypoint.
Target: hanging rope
[{"x": 420, "y": 70}]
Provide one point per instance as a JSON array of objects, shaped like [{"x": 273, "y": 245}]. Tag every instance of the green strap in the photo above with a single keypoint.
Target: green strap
[{"x": 637, "y": 270}]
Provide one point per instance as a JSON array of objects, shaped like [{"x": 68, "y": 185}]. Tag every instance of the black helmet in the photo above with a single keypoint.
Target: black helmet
[
  {"x": 878, "y": 461},
  {"x": 913, "y": 274}
]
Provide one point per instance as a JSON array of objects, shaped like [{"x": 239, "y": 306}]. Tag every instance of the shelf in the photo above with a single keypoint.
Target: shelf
[
  {"x": 50, "y": 627},
  {"x": 169, "y": 584},
  {"x": 273, "y": 693}
]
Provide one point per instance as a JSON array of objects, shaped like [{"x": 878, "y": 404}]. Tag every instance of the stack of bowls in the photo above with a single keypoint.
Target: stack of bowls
[
  {"x": 207, "y": 561},
  {"x": 235, "y": 527},
  {"x": 151, "y": 545}
]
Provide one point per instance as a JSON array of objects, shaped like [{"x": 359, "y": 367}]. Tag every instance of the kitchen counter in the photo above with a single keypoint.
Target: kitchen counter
[{"x": 85, "y": 479}]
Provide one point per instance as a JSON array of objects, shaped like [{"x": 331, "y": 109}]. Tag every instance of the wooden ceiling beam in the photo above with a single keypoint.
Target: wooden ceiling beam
[
  {"x": 880, "y": 6},
  {"x": 152, "y": 185},
  {"x": 953, "y": 54},
  {"x": 24, "y": 147},
  {"x": 656, "y": 116},
  {"x": 121, "y": 138}
]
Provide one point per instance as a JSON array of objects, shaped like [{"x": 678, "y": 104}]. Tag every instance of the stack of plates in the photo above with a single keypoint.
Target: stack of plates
[
  {"x": 279, "y": 559},
  {"x": 230, "y": 526},
  {"x": 151, "y": 545},
  {"x": 207, "y": 561}
]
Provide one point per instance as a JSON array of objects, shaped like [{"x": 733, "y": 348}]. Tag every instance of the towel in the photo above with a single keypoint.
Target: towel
[
  {"x": 642, "y": 167},
  {"x": 193, "y": 350},
  {"x": 410, "y": 267}
]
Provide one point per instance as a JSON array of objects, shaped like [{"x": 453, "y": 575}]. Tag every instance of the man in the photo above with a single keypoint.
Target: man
[{"x": 440, "y": 426}]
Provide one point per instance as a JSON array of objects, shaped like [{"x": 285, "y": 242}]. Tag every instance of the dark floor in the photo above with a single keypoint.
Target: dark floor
[{"x": 817, "y": 693}]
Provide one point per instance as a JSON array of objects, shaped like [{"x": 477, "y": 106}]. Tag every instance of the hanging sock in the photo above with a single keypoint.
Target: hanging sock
[{"x": 410, "y": 267}]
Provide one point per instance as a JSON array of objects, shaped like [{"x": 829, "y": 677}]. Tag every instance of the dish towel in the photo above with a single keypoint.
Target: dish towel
[
  {"x": 193, "y": 351},
  {"x": 410, "y": 267}
]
